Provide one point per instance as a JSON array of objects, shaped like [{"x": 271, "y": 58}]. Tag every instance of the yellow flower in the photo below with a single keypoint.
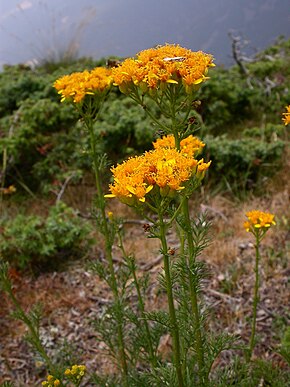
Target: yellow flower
[
  {"x": 164, "y": 167},
  {"x": 286, "y": 119},
  {"x": 129, "y": 181},
  {"x": 190, "y": 146},
  {"x": 76, "y": 86},
  {"x": 76, "y": 372},
  {"x": 258, "y": 220},
  {"x": 155, "y": 68},
  {"x": 51, "y": 382}
]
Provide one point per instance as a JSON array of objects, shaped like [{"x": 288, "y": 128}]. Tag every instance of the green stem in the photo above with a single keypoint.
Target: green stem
[
  {"x": 256, "y": 298},
  {"x": 172, "y": 314},
  {"x": 193, "y": 295},
  {"x": 152, "y": 357},
  {"x": 108, "y": 250}
]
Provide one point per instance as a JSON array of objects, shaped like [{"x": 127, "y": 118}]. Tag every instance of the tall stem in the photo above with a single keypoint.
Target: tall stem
[
  {"x": 193, "y": 295},
  {"x": 132, "y": 266},
  {"x": 172, "y": 314},
  {"x": 256, "y": 298},
  {"x": 108, "y": 251}
]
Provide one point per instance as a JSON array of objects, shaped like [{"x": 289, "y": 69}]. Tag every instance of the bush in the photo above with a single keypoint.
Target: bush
[
  {"x": 241, "y": 164},
  {"x": 42, "y": 243}
]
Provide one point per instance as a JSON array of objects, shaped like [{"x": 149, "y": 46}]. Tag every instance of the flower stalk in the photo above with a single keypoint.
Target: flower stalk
[
  {"x": 255, "y": 298},
  {"x": 258, "y": 224},
  {"x": 194, "y": 295},
  {"x": 170, "y": 299}
]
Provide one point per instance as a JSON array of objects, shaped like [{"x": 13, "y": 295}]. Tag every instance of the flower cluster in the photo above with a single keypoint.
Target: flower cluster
[
  {"x": 51, "y": 382},
  {"x": 155, "y": 68},
  {"x": 164, "y": 167},
  {"x": 190, "y": 146},
  {"x": 258, "y": 220},
  {"x": 75, "y": 373},
  {"x": 77, "y": 85},
  {"x": 286, "y": 119}
]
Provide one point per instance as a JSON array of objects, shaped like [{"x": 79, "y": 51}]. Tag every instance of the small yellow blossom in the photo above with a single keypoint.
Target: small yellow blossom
[
  {"x": 286, "y": 115},
  {"x": 51, "y": 382},
  {"x": 155, "y": 68},
  {"x": 75, "y": 373},
  {"x": 76, "y": 86},
  {"x": 258, "y": 220},
  {"x": 110, "y": 215}
]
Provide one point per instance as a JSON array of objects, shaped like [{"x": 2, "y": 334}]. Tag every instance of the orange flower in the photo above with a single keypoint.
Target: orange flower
[
  {"x": 191, "y": 146},
  {"x": 164, "y": 167},
  {"x": 156, "y": 67},
  {"x": 77, "y": 85}
]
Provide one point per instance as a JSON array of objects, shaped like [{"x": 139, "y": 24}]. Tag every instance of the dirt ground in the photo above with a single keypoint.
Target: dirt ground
[{"x": 73, "y": 296}]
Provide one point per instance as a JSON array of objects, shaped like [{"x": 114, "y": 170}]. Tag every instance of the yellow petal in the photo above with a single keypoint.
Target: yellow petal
[{"x": 171, "y": 81}]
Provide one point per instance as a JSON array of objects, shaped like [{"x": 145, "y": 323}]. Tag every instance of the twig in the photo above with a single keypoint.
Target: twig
[{"x": 63, "y": 187}]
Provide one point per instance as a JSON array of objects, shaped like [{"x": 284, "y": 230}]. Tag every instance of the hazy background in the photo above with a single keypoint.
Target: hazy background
[{"x": 40, "y": 29}]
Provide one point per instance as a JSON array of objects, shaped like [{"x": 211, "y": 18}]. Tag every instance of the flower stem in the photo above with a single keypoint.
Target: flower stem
[
  {"x": 132, "y": 266},
  {"x": 193, "y": 295},
  {"x": 108, "y": 250},
  {"x": 172, "y": 314},
  {"x": 256, "y": 298}
]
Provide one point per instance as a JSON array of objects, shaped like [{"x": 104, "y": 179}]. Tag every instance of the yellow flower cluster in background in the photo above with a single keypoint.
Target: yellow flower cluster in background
[
  {"x": 190, "y": 146},
  {"x": 77, "y": 85},
  {"x": 286, "y": 115},
  {"x": 76, "y": 372},
  {"x": 51, "y": 382},
  {"x": 157, "y": 67},
  {"x": 258, "y": 220},
  {"x": 165, "y": 167}
]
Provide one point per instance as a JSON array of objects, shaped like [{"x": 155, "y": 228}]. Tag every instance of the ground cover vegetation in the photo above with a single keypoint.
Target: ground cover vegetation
[{"x": 167, "y": 134}]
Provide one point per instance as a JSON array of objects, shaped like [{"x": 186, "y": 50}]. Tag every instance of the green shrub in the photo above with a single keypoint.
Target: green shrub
[
  {"x": 125, "y": 127},
  {"x": 241, "y": 164},
  {"x": 44, "y": 242}
]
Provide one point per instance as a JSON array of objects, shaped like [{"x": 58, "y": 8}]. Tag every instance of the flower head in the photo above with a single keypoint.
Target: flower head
[
  {"x": 286, "y": 115},
  {"x": 190, "y": 146},
  {"x": 155, "y": 68},
  {"x": 76, "y": 86},
  {"x": 258, "y": 220},
  {"x": 164, "y": 167}
]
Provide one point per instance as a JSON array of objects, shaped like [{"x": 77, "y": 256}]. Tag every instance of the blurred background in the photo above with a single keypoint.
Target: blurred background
[{"x": 37, "y": 30}]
